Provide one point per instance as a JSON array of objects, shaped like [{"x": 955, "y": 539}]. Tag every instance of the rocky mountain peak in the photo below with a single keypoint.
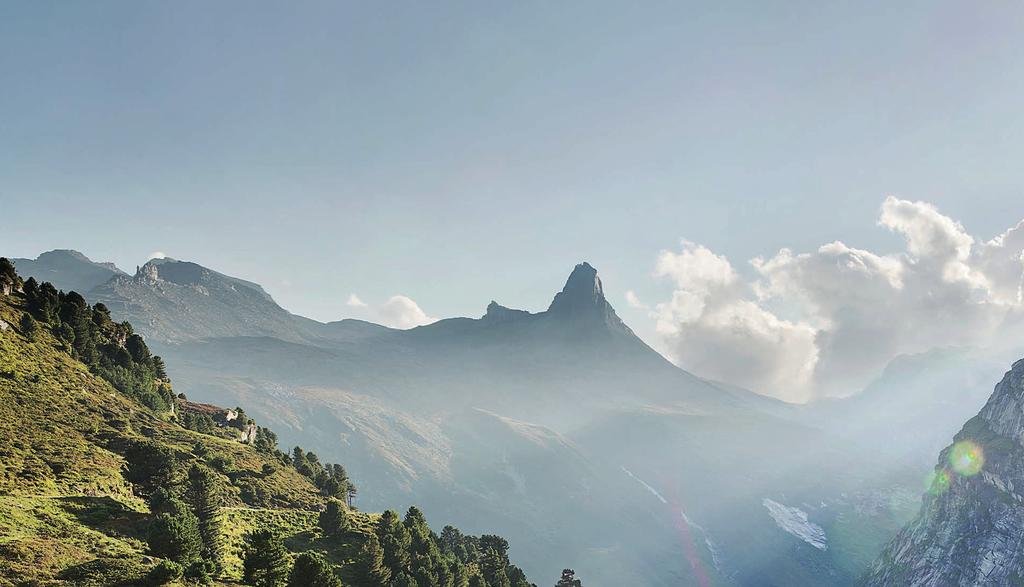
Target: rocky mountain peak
[
  {"x": 582, "y": 301},
  {"x": 582, "y": 292}
]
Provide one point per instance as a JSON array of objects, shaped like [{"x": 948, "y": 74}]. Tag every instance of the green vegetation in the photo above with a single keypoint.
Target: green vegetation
[
  {"x": 312, "y": 570},
  {"x": 266, "y": 560},
  {"x": 101, "y": 484},
  {"x": 111, "y": 350}
]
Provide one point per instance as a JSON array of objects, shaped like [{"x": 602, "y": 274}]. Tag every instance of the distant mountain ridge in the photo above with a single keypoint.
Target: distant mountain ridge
[
  {"x": 68, "y": 270},
  {"x": 175, "y": 301}
]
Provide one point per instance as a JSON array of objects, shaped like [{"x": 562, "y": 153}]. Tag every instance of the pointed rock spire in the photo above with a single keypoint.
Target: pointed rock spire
[
  {"x": 582, "y": 291},
  {"x": 582, "y": 300}
]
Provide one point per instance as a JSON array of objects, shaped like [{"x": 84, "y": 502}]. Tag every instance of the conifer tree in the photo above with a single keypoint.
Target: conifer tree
[
  {"x": 334, "y": 520},
  {"x": 371, "y": 570},
  {"x": 265, "y": 563},
  {"x": 205, "y": 496},
  {"x": 312, "y": 570},
  {"x": 28, "y": 326},
  {"x": 174, "y": 534},
  {"x": 404, "y": 580},
  {"x": 394, "y": 540}
]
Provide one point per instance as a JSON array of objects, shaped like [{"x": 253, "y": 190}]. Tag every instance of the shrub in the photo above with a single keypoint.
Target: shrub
[
  {"x": 164, "y": 573},
  {"x": 312, "y": 570}
]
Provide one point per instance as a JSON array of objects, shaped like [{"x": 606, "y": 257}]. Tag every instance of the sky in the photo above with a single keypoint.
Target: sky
[{"x": 409, "y": 161}]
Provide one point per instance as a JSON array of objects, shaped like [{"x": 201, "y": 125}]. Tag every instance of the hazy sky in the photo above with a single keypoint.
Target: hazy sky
[{"x": 455, "y": 153}]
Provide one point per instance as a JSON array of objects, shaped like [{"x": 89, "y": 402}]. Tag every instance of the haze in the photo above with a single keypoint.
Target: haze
[{"x": 342, "y": 154}]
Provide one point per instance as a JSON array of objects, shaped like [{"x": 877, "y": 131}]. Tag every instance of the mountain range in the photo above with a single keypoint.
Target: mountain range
[{"x": 560, "y": 429}]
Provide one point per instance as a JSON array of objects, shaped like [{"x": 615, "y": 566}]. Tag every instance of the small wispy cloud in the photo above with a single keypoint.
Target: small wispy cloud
[
  {"x": 355, "y": 302},
  {"x": 634, "y": 301},
  {"x": 156, "y": 255}
]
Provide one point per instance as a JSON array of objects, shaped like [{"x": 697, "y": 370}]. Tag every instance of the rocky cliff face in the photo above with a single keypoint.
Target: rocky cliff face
[
  {"x": 970, "y": 531},
  {"x": 582, "y": 302}
]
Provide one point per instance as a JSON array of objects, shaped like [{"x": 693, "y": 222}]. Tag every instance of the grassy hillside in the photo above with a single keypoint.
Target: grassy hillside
[
  {"x": 78, "y": 464},
  {"x": 65, "y": 438}
]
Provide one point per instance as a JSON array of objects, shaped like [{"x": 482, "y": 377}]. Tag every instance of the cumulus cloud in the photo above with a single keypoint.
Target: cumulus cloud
[
  {"x": 354, "y": 301},
  {"x": 824, "y": 322},
  {"x": 402, "y": 312},
  {"x": 633, "y": 301},
  {"x": 156, "y": 255}
]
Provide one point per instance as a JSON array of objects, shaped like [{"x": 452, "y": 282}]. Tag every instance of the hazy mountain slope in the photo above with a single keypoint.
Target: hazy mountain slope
[
  {"x": 970, "y": 528},
  {"x": 557, "y": 367},
  {"x": 174, "y": 301},
  {"x": 485, "y": 473},
  {"x": 910, "y": 410},
  {"x": 719, "y": 470},
  {"x": 67, "y": 270}
]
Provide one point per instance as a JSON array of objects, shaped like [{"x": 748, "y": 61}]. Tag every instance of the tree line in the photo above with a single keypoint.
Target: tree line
[{"x": 111, "y": 350}]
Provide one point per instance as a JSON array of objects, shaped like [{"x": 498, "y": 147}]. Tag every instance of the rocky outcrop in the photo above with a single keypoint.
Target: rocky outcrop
[
  {"x": 582, "y": 302},
  {"x": 498, "y": 313},
  {"x": 970, "y": 530}
]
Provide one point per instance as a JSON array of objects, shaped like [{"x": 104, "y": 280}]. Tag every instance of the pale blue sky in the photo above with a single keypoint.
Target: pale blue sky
[{"x": 460, "y": 152}]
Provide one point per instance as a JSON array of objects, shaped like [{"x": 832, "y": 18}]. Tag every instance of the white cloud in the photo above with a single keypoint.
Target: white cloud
[
  {"x": 402, "y": 312},
  {"x": 825, "y": 322},
  {"x": 355, "y": 302},
  {"x": 156, "y": 255},
  {"x": 633, "y": 301},
  {"x": 696, "y": 268}
]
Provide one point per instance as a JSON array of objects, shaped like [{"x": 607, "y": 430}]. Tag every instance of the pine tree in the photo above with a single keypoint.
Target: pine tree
[
  {"x": 404, "y": 580},
  {"x": 174, "y": 534},
  {"x": 9, "y": 279},
  {"x": 569, "y": 579},
  {"x": 492, "y": 565},
  {"x": 371, "y": 570},
  {"x": 205, "y": 496},
  {"x": 334, "y": 520},
  {"x": 159, "y": 368},
  {"x": 265, "y": 563},
  {"x": 394, "y": 540},
  {"x": 312, "y": 570},
  {"x": 29, "y": 327},
  {"x": 421, "y": 541}
]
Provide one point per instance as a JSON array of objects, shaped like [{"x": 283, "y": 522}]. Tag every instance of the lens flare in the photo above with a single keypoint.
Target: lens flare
[
  {"x": 966, "y": 458},
  {"x": 938, "y": 481}
]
